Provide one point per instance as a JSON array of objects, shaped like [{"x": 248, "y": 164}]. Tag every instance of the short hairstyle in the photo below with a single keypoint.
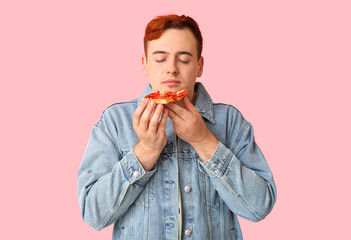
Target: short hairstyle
[{"x": 159, "y": 24}]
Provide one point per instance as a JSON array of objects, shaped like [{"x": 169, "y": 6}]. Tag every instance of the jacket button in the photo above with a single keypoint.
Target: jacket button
[
  {"x": 188, "y": 232},
  {"x": 136, "y": 174},
  {"x": 185, "y": 150},
  {"x": 214, "y": 166},
  {"x": 187, "y": 189}
]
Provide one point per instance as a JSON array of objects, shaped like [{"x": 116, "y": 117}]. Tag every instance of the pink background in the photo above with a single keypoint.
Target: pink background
[{"x": 286, "y": 65}]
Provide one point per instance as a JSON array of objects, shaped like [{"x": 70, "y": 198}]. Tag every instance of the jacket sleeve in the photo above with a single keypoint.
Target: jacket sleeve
[
  {"x": 108, "y": 183},
  {"x": 241, "y": 176}
]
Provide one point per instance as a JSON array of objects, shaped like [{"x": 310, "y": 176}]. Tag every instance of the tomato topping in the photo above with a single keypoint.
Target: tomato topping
[
  {"x": 183, "y": 93},
  {"x": 167, "y": 95},
  {"x": 153, "y": 95}
]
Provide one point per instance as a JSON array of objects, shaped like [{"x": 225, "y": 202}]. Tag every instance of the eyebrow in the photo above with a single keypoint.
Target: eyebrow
[
  {"x": 160, "y": 52},
  {"x": 186, "y": 53},
  {"x": 179, "y": 53}
]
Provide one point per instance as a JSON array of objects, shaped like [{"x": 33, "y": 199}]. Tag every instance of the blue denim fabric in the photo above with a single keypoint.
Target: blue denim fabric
[{"x": 114, "y": 188}]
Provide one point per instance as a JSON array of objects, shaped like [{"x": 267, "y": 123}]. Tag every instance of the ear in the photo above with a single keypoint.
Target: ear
[
  {"x": 201, "y": 66},
  {"x": 144, "y": 63}
]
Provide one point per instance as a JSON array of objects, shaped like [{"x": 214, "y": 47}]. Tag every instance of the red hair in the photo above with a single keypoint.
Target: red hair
[{"x": 158, "y": 25}]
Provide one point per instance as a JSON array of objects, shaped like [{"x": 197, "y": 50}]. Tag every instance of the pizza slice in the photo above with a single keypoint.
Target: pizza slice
[{"x": 167, "y": 96}]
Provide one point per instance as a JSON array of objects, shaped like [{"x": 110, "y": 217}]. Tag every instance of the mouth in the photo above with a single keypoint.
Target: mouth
[{"x": 171, "y": 82}]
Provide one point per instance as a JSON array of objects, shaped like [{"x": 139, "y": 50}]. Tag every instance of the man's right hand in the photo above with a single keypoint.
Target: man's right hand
[{"x": 151, "y": 132}]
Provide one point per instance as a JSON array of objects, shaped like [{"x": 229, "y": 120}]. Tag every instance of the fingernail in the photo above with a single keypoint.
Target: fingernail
[{"x": 153, "y": 103}]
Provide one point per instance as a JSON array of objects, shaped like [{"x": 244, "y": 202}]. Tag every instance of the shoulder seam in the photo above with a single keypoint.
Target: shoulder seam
[
  {"x": 119, "y": 103},
  {"x": 231, "y": 106}
]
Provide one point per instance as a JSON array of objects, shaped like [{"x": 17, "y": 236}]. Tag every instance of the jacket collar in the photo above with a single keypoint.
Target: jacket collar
[{"x": 203, "y": 102}]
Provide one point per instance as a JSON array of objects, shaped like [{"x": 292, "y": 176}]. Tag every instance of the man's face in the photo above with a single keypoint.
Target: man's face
[{"x": 172, "y": 63}]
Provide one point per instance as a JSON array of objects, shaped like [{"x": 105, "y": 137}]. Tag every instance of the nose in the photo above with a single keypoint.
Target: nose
[{"x": 172, "y": 68}]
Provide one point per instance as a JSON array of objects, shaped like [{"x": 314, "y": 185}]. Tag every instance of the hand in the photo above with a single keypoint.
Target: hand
[
  {"x": 151, "y": 132},
  {"x": 189, "y": 126}
]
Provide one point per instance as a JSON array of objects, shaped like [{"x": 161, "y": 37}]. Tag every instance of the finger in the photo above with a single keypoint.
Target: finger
[
  {"x": 163, "y": 121},
  {"x": 155, "y": 117},
  {"x": 138, "y": 112},
  {"x": 174, "y": 117},
  {"x": 145, "y": 117},
  {"x": 188, "y": 105},
  {"x": 180, "y": 111},
  {"x": 152, "y": 113}
]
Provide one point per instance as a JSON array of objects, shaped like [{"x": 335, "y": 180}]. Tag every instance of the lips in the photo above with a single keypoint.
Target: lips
[
  {"x": 171, "y": 84},
  {"x": 171, "y": 81}
]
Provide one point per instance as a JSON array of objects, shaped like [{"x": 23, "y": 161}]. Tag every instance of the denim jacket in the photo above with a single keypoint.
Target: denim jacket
[{"x": 114, "y": 188}]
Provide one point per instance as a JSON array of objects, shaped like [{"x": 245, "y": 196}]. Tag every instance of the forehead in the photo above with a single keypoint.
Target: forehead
[{"x": 174, "y": 40}]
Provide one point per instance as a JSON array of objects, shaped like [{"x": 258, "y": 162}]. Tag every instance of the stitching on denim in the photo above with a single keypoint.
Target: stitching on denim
[
  {"x": 117, "y": 204},
  {"x": 113, "y": 211},
  {"x": 246, "y": 125},
  {"x": 133, "y": 101},
  {"x": 235, "y": 109},
  {"x": 102, "y": 128},
  {"x": 101, "y": 124},
  {"x": 224, "y": 160},
  {"x": 232, "y": 115},
  {"x": 242, "y": 200}
]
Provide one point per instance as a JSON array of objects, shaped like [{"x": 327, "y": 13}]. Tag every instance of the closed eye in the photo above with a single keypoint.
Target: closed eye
[{"x": 185, "y": 62}]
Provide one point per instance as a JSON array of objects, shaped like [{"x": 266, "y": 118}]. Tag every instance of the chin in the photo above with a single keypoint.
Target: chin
[{"x": 171, "y": 88}]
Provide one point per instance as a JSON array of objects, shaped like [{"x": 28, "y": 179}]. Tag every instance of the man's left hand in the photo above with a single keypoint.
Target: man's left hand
[{"x": 189, "y": 126}]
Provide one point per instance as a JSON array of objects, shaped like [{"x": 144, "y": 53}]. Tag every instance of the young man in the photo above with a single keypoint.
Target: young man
[{"x": 177, "y": 171}]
